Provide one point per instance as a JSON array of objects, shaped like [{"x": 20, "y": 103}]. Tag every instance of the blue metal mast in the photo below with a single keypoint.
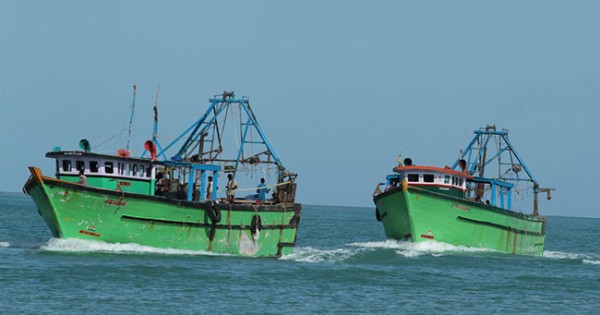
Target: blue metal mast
[
  {"x": 509, "y": 163},
  {"x": 196, "y": 136}
]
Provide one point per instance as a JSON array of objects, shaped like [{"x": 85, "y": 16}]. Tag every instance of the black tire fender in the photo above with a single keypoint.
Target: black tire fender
[
  {"x": 213, "y": 212},
  {"x": 256, "y": 224}
]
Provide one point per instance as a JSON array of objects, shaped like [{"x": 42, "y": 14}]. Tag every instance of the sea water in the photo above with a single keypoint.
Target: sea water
[{"x": 342, "y": 264}]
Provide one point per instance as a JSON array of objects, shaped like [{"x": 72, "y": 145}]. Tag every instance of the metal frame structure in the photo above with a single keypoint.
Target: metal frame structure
[
  {"x": 509, "y": 164},
  {"x": 207, "y": 132},
  {"x": 192, "y": 149}
]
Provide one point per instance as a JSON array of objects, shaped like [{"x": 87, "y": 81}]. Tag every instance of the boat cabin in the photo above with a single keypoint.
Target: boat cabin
[
  {"x": 437, "y": 179},
  {"x": 453, "y": 183},
  {"x": 137, "y": 175},
  {"x": 128, "y": 174}
]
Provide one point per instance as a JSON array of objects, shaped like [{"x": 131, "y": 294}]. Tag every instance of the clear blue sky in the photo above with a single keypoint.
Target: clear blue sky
[{"x": 338, "y": 86}]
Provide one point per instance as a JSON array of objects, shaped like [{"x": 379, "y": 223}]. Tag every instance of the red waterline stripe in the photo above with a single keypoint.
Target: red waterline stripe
[
  {"x": 89, "y": 233},
  {"x": 427, "y": 236}
]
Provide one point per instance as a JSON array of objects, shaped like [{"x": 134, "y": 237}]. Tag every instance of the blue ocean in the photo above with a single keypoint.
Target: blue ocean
[{"x": 342, "y": 265}]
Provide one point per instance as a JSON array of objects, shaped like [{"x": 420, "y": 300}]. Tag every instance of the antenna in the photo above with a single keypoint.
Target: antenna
[
  {"x": 131, "y": 118},
  {"x": 152, "y": 145},
  {"x": 155, "y": 131}
]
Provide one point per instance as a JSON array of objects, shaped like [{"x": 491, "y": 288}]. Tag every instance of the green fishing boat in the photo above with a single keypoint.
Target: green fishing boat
[
  {"x": 458, "y": 205},
  {"x": 176, "y": 202}
]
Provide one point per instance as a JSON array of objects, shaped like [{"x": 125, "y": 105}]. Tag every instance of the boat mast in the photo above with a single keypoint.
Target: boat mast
[
  {"x": 155, "y": 130},
  {"x": 155, "y": 141},
  {"x": 131, "y": 118}
]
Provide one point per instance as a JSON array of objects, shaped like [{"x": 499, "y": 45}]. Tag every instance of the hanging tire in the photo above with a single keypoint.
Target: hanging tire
[
  {"x": 213, "y": 212},
  {"x": 294, "y": 221},
  {"x": 256, "y": 224},
  {"x": 377, "y": 215},
  {"x": 211, "y": 232}
]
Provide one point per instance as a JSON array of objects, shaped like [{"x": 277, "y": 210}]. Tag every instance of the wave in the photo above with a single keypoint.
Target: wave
[
  {"x": 410, "y": 249},
  {"x": 4, "y": 244},
  {"x": 300, "y": 254},
  {"x": 313, "y": 255},
  {"x": 92, "y": 246},
  {"x": 591, "y": 262},
  {"x": 401, "y": 248},
  {"x": 586, "y": 258}
]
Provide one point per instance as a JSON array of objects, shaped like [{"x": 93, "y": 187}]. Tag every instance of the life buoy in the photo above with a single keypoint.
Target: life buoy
[
  {"x": 377, "y": 215},
  {"x": 213, "y": 212}
]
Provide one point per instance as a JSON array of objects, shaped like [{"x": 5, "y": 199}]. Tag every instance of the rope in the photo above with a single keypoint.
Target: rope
[{"x": 110, "y": 139}]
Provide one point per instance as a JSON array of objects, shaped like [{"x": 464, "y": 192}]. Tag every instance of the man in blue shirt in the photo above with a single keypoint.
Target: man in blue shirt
[{"x": 262, "y": 190}]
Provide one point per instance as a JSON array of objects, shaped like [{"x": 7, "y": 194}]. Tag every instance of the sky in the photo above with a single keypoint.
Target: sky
[{"x": 339, "y": 87}]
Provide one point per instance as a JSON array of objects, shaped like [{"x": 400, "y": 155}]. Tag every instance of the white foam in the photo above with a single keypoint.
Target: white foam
[
  {"x": 411, "y": 249},
  {"x": 586, "y": 258},
  {"x": 560, "y": 255},
  {"x": 591, "y": 262},
  {"x": 388, "y": 244},
  {"x": 438, "y": 247},
  {"x": 78, "y": 245},
  {"x": 313, "y": 255},
  {"x": 4, "y": 244}
]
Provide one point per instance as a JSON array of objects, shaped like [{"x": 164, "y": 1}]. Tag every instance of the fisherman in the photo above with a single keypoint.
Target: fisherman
[
  {"x": 162, "y": 184},
  {"x": 262, "y": 190},
  {"x": 231, "y": 187},
  {"x": 82, "y": 178},
  {"x": 209, "y": 188}
]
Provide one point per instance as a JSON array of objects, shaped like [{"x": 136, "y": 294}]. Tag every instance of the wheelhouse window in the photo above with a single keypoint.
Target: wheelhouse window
[
  {"x": 66, "y": 165},
  {"x": 428, "y": 178},
  {"x": 94, "y": 166},
  {"x": 412, "y": 177},
  {"x": 108, "y": 167},
  {"x": 80, "y": 165}
]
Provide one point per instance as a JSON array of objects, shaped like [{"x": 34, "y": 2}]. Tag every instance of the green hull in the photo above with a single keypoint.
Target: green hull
[
  {"x": 419, "y": 215},
  {"x": 73, "y": 211}
]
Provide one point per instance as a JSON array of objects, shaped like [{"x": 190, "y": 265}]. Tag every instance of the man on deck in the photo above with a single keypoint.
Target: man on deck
[
  {"x": 231, "y": 187},
  {"x": 262, "y": 190}
]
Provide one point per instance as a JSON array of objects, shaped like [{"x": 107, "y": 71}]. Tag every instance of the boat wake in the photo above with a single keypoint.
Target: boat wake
[
  {"x": 403, "y": 249},
  {"x": 314, "y": 255},
  {"x": 586, "y": 258},
  {"x": 91, "y": 246},
  {"x": 4, "y": 244},
  {"x": 410, "y": 249}
]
